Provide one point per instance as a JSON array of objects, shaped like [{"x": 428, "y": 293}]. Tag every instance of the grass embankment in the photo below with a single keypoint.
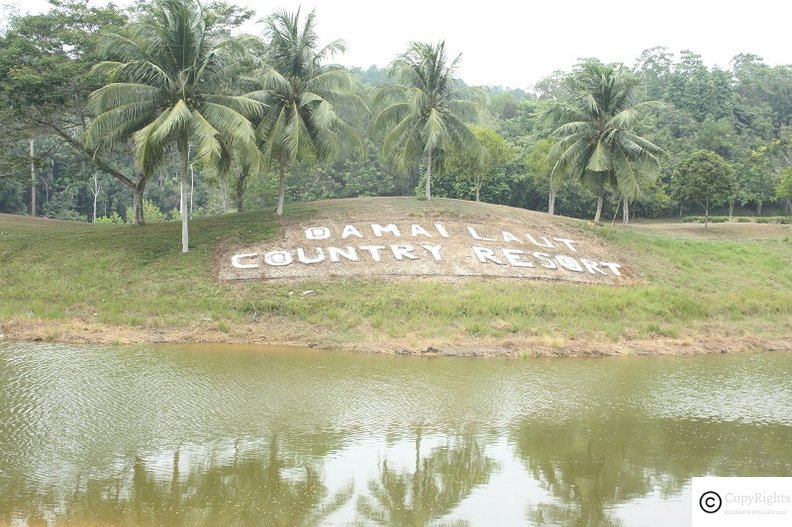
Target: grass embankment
[{"x": 108, "y": 283}]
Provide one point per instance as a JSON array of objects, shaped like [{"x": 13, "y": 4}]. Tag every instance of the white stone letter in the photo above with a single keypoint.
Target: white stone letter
[
  {"x": 513, "y": 256},
  {"x": 509, "y": 237},
  {"x": 316, "y": 259},
  {"x": 435, "y": 250},
  {"x": 591, "y": 267},
  {"x": 567, "y": 262},
  {"x": 400, "y": 252},
  {"x": 547, "y": 243},
  {"x": 347, "y": 252},
  {"x": 476, "y": 236},
  {"x": 441, "y": 229},
  {"x": 278, "y": 258},
  {"x": 235, "y": 261},
  {"x": 350, "y": 230},
  {"x": 614, "y": 267},
  {"x": 484, "y": 253},
  {"x": 545, "y": 259},
  {"x": 379, "y": 230},
  {"x": 417, "y": 230},
  {"x": 317, "y": 233},
  {"x": 568, "y": 243},
  {"x": 374, "y": 250}
]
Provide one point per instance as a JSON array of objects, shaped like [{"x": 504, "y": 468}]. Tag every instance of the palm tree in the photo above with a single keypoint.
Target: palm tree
[
  {"x": 596, "y": 138},
  {"x": 169, "y": 87},
  {"x": 425, "y": 111},
  {"x": 301, "y": 124}
]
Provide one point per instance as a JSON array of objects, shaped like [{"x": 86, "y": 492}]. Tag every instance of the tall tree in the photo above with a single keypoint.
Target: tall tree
[
  {"x": 301, "y": 124},
  {"x": 784, "y": 189},
  {"x": 597, "y": 141},
  {"x": 704, "y": 178},
  {"x": 425, "y": 111},
  {"x": 45, "y": 79},
  {"x": 468, "y": 167},
  {"x": 169, "y": 88}
]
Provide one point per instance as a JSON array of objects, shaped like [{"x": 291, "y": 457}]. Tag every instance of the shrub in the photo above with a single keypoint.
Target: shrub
[{"x": 113, "y": 218}]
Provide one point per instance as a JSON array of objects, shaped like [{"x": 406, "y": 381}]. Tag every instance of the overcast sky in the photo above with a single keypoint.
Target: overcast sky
[{"x": 514, "y": 44}]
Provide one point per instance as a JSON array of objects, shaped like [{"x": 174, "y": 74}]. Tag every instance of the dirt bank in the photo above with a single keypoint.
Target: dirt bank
[{"x": 83, "y": 332}]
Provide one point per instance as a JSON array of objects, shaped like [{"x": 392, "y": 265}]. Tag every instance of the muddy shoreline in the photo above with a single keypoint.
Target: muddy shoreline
[{"x": 86, "y": 332}]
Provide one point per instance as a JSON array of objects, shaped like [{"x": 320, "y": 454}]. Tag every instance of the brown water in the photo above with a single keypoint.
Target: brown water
[{"x": 96, "y": 435}]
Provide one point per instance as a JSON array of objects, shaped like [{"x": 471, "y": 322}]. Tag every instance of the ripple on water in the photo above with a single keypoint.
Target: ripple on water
[{"x": 319, "y": 421}]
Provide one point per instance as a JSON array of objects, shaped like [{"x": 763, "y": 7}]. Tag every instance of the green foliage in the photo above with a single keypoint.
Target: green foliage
[
  {"x": 152, "y": 213},
  {"x": 168, "y": 88},
  {"x": 113, "y": 219},
  {"x": 784, "y": 188},
  {"x": 703, "y": 93},
  {"x": 301, "y": 124},
  {"x": 710, "y": 219},
  {"x": 743, "y": 113},
  {"x": 704, "y": 178},
  {"x": 596, "y": 138},
  {"x": 472, "y": 169},
  {"x": 423, "y": 115}
]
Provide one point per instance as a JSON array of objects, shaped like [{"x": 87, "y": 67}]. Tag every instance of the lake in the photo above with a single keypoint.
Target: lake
[{"x": 231, "y": 435}]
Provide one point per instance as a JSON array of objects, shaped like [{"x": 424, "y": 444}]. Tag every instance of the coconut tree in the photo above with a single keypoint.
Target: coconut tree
[
  {"x": 597, "y": 141},
  {"x": 424, "y": 112},
  {"x": 301, "y": 124},
  {"x": 168, "y": 90}
]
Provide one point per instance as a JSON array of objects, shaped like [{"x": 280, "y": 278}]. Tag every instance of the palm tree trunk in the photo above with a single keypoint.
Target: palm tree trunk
[
  {"x": 192, "y": 186},
  {"x": 478, "y": 190},
  {"x": 551, "y": 201},
  {"x": 626, "y": 211},
  {"x": 429, "y": 176},
  {"x": 600, "y": 201},
  {"x": 241, "y": 184},
  {"x": 137, "y": 201},
  {"x": 185, "y": 162},
  {"x": 731, "y": 210},
  {"x": 32, "y": 178},
  {"x": 281, "y": 185},
  {"x": 95, "y": 191}
]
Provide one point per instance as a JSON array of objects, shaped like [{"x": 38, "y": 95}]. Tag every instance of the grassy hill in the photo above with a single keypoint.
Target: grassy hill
[{"x": 726, "y": 288}]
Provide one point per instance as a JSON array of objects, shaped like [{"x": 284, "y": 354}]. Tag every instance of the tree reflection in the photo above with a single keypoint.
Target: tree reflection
[
  {"x": 593, "y": 465},
  {"x": 436, "y": 485},
  {"x": 267, "y": 487}
]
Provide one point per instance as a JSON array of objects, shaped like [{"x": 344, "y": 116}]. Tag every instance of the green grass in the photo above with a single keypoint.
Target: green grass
[{"x": 129, "y": 276}]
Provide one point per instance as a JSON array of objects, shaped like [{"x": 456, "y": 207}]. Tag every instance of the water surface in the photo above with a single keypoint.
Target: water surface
[{"x": 232, "y": 436}]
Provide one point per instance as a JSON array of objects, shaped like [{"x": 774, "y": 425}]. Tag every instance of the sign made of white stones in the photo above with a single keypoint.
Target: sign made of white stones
[{"x": 502, "y": 249}]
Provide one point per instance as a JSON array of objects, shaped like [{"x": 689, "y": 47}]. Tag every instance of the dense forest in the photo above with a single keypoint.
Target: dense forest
[{"x": 101, "y": 121}]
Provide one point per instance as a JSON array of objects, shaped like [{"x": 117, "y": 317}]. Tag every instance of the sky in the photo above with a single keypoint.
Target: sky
[{"x": 516, "y": 43}]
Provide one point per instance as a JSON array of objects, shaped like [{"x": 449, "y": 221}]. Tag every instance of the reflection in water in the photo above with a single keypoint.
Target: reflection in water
[
  {"x": 592, "y": 465},
  {"x": 431, "y": 490},
  {"x": 156, "y": 436},
  {"x": 265, "y": 487}
]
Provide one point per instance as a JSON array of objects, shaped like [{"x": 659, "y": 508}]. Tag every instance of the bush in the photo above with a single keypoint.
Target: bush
[
  {"x": 701, "y": 219},
  {"x": 774, "y": 219},
  {"x": 151, "y": 213},
  {"x": 113, "y": 218}
]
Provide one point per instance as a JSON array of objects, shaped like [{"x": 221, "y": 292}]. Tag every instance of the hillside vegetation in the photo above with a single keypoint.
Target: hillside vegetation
[{"x": 729, "y": 288}]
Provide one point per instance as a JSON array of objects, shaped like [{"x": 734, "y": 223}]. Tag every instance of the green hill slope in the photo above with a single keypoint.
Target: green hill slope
[{"x": 107, "y": 283}]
